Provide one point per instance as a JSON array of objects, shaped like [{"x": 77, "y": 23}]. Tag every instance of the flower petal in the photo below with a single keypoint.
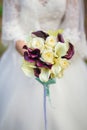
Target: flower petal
[
  {"x": 48, "y": 56},
  {"x": 38, "y": 43},
  {"x": 56, "y": 69},
  {"x": 70, "y": 52},
  {"x": 25, "y": 47},
  {"x": 60, "y": 49},
  {"x": 26, "y": 56},
  {"x": 41, "y": 34},
  {"x": 37, "y": 71},
  {"x": 32, "y": 60},
  {"x": 32, "y": 55},
  {"x": 28, "y": 69},
  {"x": 44, "y": 75},
  {"x": 30, "y": 50},
  {"x": 60, "y": 38},
  {"x": 35, "y": 53},
  {"x": 51, "y": 41},
  {"x": 40, "y": 63}
]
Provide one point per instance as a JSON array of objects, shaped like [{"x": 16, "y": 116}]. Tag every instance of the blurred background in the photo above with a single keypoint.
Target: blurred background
[{"x": 2, "y": 48}]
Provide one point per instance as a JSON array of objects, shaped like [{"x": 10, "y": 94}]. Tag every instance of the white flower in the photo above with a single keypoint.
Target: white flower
[
  {"x": 48, "y": 56},
  {"x": 38, "y": 43},
  {"x": 61, "y": 49},
  {"x": 64, "y": 63},
  {"x": 28, "y": 68},
  {"x": 56, "y": 69},
  {"x": 51, "y": 41},
  {"x": 44, "y": 75}
]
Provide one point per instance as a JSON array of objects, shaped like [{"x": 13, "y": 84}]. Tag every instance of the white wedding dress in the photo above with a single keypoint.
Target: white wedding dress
[{"x": 21, "y": 98}]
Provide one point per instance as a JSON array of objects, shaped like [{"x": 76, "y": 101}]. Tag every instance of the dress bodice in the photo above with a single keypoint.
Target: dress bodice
[
  {"x": 35, "y": 15},
  {"x": 20, "y": 17}
]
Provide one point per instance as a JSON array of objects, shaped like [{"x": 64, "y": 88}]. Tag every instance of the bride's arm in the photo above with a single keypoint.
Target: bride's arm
[
  {"x": 11, "y": 29},
  {"x": 73, "y": 25}
]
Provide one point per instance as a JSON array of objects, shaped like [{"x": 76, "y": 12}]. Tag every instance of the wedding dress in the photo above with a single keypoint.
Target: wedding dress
[{"x": 21, "y": 98}]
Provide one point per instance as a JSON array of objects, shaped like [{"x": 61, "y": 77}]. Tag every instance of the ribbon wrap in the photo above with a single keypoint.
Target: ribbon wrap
[{"x": 46, "y": 94}]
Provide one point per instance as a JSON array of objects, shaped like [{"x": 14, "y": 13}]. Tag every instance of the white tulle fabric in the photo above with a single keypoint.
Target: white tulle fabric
[{"x": 21, "y": 98}]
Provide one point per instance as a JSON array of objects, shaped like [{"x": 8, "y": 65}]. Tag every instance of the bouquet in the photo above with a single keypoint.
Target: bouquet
[{"x": 46, "y": 56}]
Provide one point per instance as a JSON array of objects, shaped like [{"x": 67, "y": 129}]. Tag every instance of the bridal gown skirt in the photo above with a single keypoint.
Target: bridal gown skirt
[{"x": 21, "y": 98}]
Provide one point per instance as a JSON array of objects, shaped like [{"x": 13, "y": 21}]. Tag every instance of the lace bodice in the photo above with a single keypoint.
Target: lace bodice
[
  {"x": 23, "y": 16},
  {"x": 41, "y": 16},
  {"x": 20, "y": 17}
]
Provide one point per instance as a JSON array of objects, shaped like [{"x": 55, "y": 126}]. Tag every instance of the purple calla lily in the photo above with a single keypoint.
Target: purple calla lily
[
  {"x": 25, "y": 47},
  {"x": 31, "y": 55},
  {"x": 28, "y": 58},
  {"x": 34, "y": 53},
  {"x": 37, "y": 71},
  {"x": 60, "y": 38},
  {"x": 41, "y": 34},
  {"x": 26, "y": 55},
  {"x": 70, "y": 52},
  {"x": 40, "y": 63}
]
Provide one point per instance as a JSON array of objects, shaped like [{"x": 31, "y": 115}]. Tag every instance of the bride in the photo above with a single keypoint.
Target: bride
[{"x": 21, "y": 98}]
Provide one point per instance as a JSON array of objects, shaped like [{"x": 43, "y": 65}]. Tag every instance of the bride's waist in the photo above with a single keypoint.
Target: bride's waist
[{"x": 39, "y": 24}]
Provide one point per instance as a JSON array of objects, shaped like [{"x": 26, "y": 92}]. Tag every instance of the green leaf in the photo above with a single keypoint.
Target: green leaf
[{"x": 50, "y": 81}]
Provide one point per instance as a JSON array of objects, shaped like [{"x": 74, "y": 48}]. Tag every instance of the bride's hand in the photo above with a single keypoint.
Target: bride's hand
[{"x": 19, "y": 46}]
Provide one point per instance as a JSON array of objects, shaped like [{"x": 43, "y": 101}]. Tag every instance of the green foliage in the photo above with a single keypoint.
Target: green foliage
[
  {"x": 0, "y": 10},
  {"x": 2, "y": 49}
]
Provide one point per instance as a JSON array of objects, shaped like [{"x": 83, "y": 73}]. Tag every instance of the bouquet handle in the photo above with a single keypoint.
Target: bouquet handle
[
  {"x": 45, "y": 112},
  {"x": 46, "y": 94}
]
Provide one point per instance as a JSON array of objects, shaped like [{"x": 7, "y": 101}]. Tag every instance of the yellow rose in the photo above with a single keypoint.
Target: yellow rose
[
  {"x": 48, "y": 56},
  {"x": 64, "y": 63}
]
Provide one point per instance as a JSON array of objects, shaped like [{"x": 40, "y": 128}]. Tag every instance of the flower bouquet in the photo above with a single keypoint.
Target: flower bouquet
[{"x": 46, "y": 56}]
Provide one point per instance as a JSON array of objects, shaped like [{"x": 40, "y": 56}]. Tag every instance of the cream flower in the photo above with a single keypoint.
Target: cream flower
[
  {"x": 48, "y": 56},
  {"x": 59, "y": 66},
  {"x": 61, "y": 49},
  {"x": 44, "y": 75},
  {"x": 56, "y": 68},
  {"x": 38, "y": 43},
  {"x": 60, "y": 74},
  {"x": 28, "y": 68},
  {"x": 64, "y": 63},
  {"x": 51, "y": 41}
]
